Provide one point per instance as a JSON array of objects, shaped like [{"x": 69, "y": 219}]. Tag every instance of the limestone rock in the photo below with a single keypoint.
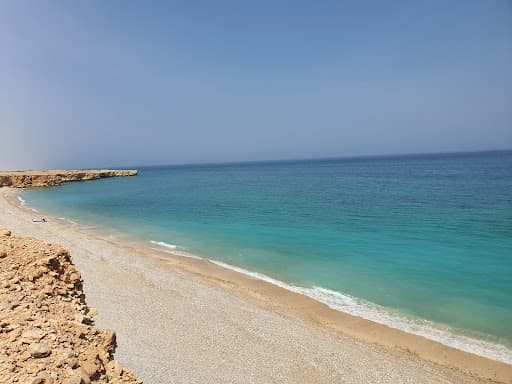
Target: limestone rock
[
  {"x": 32, "y": 335},
  {"x": 72, "y": 380},
  {"x": 83, "y": 375},
  {"x": 67, "y": 352},
  {"x": 43, "y": 378},
  {"x": 39, "y": 350},
  {"x": 72, "y": 362},
  {"x": 26, "y": 179},
  {"x": 5, "y": 232},
  {"x": 41, "y": 296}
]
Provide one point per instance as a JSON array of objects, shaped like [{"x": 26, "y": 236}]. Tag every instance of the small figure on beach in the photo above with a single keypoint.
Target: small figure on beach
[{"x": 42, "y": 220}]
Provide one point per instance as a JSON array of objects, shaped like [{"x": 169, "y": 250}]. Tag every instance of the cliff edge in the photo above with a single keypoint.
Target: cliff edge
[
  {"x": 47, "y": 333},
  {"x": 27, "y": 179}
]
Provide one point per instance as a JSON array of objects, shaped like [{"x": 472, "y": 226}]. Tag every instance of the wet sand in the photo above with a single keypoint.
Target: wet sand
[{"x": 187, "y": 320}]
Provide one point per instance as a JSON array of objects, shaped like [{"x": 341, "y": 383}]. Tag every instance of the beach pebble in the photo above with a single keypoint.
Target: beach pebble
[
  {"x": 14, "y": 334},
  {"x": 48, "y": 290},
  {"x": 5, "y": 232},
  {"x": 74, "y": 277},
  {"x": 29, "y": 336},
  {"x": 43, "y": 378},
  {"x": 72, "y": 380},
  {"x": 72, "y": 362},
  {"x": 83, "y": 375},
  {"x": 39, "y": 350},
  {"x": 115, "y": 367},
  {"x": 67, "y": 352},
  {"x": 5, "y": 305}
]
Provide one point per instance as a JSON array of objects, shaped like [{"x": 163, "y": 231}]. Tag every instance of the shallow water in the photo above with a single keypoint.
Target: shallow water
[{"x": 428, "y": 237}]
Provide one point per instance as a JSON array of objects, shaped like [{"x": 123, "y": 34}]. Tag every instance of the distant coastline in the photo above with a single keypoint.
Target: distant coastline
[{"x": 47, "y": 178}]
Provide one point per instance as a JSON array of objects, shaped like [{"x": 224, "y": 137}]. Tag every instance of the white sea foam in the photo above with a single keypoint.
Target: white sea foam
[
  {"x": 172, "y": 249},
  {"x": 186, "y": 254},
  {"x": 178, "y": 253},
  {"x": 358, "y": 307},
  {"x": 163, "y": 244},
  {"x": 23, "y": 203}
]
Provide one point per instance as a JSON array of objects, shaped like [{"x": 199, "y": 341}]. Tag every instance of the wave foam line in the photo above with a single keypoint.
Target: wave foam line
[
  {"x": 374, "y": 312},
  {"x": 163, "y": 244},
  {"x": 172, "y": 249},
  {"x": 178, "y": 253},
  {"x": 23, "y": 203}
]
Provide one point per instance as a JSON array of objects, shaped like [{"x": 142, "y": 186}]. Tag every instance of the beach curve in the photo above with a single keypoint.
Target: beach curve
[{"x": 267, "y": 294}]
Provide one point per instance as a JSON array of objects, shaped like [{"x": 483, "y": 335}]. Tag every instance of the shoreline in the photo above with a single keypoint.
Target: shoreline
[
  {"x": 281, "y": 299},
  {"x": 341, "y": 302},
  {"x": 459, "y": 339}
]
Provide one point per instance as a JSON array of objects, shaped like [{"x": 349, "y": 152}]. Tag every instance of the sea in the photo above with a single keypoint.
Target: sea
[{"x": 422, "y": 243}]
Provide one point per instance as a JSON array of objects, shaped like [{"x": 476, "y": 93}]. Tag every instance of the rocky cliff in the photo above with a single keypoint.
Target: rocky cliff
[
  {"x": 26, "y": 179},
  {"x": 47, "y": 333}
]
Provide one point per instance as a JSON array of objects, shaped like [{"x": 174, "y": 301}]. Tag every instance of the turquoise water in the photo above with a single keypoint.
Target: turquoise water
[{"x": 427, "y": 236}]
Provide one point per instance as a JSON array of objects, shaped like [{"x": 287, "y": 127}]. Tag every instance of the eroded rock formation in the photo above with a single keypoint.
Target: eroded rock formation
[
  {"x": 26, "y": 179},
  {"x": 47, "y": 332}
]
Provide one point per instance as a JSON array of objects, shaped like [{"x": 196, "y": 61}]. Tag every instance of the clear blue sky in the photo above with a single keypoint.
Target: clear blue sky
[{"x": 112, "y": 83}]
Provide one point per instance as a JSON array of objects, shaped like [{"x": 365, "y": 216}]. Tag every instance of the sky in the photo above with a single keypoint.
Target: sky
[{"x": 87, "y": 84}]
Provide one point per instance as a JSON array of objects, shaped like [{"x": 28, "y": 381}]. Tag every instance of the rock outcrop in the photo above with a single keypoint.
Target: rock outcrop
[
  {"x": 47, "y": 332},
  {"x": 26, "y": 179}
]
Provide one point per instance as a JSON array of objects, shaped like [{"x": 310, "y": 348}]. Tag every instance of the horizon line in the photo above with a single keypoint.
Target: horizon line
[
  {"x": 285, "y": 160},
  {"x": 313, "y": 159}
]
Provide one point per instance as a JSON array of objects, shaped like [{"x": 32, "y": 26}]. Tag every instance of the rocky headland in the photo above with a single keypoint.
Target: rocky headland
[
  {"x": 47, "y": 332},
  {"x": 27, "y": 179}
]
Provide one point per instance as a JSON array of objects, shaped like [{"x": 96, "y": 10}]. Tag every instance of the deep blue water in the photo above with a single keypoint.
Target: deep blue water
[{"x": 429, "y": 236}]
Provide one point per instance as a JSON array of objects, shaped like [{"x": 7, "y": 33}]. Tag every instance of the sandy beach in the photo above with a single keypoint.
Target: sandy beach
[{"x": 182, "y": 320}]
